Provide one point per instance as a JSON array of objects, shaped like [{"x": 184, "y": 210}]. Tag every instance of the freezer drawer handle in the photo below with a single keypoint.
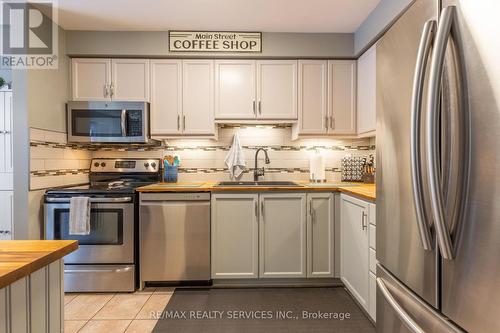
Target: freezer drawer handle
[
  {"x": 118, "y": 270},
  {"x": 416, "y": 116},
  {"x": 402, "y": 314}
]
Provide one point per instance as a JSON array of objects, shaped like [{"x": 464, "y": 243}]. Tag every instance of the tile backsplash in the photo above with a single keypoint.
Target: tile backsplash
[{"x": 54, "y": 162}]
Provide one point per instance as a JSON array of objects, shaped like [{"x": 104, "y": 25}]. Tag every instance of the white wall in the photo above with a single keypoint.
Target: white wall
[{"x": 383, "y": 15}]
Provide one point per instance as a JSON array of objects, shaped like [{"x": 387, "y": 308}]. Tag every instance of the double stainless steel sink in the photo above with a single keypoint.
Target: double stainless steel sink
[{"x": 262, "y": 183}]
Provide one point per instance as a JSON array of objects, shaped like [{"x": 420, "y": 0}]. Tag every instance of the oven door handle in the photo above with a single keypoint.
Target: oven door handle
[{"x": 92, "y": 200}]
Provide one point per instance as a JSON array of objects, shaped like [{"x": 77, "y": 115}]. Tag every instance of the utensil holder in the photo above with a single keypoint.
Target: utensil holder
[{"x": 170, "y": 174}]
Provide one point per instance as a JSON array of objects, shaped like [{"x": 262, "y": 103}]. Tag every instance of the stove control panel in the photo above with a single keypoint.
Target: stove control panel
[{"x": 124, "y": 165}]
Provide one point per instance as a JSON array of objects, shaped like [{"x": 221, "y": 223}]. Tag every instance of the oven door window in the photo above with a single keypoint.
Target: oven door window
[
  {"x": 96, "y": 123},
  {"x": 106, "y": 227}
]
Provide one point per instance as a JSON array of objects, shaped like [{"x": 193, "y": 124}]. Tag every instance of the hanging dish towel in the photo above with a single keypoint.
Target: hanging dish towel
[
  {"x": 235, "y": 159},
  {"x": 79, "y": 216}
]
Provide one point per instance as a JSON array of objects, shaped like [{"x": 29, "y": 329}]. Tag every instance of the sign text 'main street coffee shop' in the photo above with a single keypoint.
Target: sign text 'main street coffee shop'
[{"x": 213, "y": 41}]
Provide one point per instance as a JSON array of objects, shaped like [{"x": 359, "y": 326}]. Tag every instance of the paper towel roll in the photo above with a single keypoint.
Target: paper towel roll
[{"x": 316, "y": 166}]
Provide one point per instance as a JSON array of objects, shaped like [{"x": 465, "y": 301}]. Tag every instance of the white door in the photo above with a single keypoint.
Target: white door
[
  {"x": 366, "y": 90},
  {"x": 166, "y": 97},
  {"x": 277, "y": 89},
  {"x": 342, "y": 96},
  {"x": 3, "y": 147},
  {"x": 354, "y": 267},
  {"x": 198, "y": 97},
  {"x": 234, "y": 236},
  {"x": 320, "y": 235},
  {"x": 235, "y": 89},
  {"x": 282, "y": 241},
  {"x": 130, "y": 80},
  {"x": 313, "y": 97},
  {"x": 91, "y": 79},
  {"x": 6, "y": 204},
  {"x": 8, "y": 126}
]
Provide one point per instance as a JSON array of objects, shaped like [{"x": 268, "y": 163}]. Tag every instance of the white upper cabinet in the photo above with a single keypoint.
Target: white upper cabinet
[
  {"x": 366, "y": 92},
  {"x": 95, "y": 79},
  {"x": 91, "y": 79},
  {"x": 342, "y": 96},
  {"x": 198, "y": 97},
  {"x": 166, "y": 97},
  {"x": 312, "y": 97},
  {"x": 130, "y": 79},
  {"x": 235, "y": 89},
  {"x": 277, "y": 89}
]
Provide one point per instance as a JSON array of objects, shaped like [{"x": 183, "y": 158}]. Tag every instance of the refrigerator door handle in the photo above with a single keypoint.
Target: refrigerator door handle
[
  {"x": 447, "y": 26},
  {"x": 416, "y": 115},
  {"x": 402, "y": 314}
]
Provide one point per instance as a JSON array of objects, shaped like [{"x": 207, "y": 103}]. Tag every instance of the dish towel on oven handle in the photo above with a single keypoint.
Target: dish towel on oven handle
[
  {"x": 235, "y": 159},
  {"x": 79, "y": 216}
]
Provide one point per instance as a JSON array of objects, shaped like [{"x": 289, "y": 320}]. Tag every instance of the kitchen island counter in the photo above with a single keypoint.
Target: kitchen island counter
[{"x": 20, "y": 258}]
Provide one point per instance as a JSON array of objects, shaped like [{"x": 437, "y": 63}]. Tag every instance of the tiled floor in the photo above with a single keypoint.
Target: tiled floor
[{"x": 114, "y": 313}]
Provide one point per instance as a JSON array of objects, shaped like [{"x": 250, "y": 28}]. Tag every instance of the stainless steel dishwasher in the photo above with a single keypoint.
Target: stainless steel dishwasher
[{"x": 174, "y": 235}]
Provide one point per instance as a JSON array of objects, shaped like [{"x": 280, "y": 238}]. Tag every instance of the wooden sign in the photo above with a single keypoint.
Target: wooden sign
[{"x": 213, "y": 41}]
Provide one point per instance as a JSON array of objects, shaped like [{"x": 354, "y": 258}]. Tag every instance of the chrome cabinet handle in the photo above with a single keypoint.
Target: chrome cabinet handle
[
  {"x": 111, "y": 90},
  {"x": 416, "y": 116},
  {"x": 326, "y": 122},
  {"x": 123, "y": 120},
  {"x": 106, "y": 90},
  {"x": 402, "y": 314},
  {"x": 363, "y": 220},
  {"x": 184, "y": 122},
  {"x": 178, "y": 122},
  {"x": 433, "y": 128},
  {"x": 256, "y": 209},
  {"x": 262, "y": 208},
  {"x": 311, "y": 211},
  {"x": 254, "y": 109},
  {"x": 332, "y": 122},
  {"x": 260, "y": 107}
]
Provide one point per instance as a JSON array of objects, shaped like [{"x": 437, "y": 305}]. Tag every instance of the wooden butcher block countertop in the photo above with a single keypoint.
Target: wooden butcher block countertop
[
  {"x": 20, "y": 258},
  {"x": 364, "y": 191}
]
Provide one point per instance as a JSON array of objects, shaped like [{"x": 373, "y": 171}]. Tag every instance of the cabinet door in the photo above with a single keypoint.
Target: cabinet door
[
  {"x": 312, "y": 97},
  {"x": 234, "y": 236},
  {"x": 354, "y": 247},
  {"x": 91, "y": 79},
  {"x": 342, "y": 96},
  {"x": 8, "y": 125},
  {"x": 277, "y": 89},
  {"x": 320, "y": 235},
  {"x": 366, "y": 91},
  {"x": 6, "y": 204},
  {"x": 198, "y": 97},
  {"x": 235, "y": 89},
  {"x": 166, "y": 97},
  {"x": 282, "y": 241},
  {"x": 130, "y": 80},
  {"x": 3, "y": 118}
]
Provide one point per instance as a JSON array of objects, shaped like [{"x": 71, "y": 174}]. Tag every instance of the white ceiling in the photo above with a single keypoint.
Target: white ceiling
[{"x": 240, "y": 15}]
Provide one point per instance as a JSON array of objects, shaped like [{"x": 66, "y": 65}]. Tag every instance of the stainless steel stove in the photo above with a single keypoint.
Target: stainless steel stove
[{"x": 106, "y": 259}]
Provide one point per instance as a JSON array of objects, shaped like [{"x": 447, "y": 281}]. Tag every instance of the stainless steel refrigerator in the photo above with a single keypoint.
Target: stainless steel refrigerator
[{"x": 438, "y": 177}]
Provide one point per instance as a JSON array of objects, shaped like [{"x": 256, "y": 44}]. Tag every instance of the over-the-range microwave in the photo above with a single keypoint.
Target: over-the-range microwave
[{"x": 108, "y": 122}]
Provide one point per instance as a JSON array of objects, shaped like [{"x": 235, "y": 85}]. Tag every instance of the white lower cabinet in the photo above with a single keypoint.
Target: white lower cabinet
[
  {"x": 6, "y": 222},
  {"x": 320, "y": 235},
  {"x": 354, "y": 247},
  {"x": 34, "y": 303},
  {"x": 235, "y": 233},
  {"x": 358, "y": 252},
  {"x": 273, "y": 235},
  {"x": 282, "y": 235}
]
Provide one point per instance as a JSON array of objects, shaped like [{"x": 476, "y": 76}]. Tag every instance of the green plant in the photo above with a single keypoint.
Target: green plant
[{"x": 2, "y": 82}]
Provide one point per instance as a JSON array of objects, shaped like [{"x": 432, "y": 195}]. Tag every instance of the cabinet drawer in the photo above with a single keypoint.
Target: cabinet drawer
[
  {"x": 373, "y": 261},
  {"x": 372, "y": 214},
  {"x": 372, "y": 308},
  {"x": 372, "y": 236}
]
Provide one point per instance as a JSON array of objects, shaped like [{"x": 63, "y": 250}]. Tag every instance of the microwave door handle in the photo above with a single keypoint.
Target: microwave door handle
[{"x": 124, "y": 122}]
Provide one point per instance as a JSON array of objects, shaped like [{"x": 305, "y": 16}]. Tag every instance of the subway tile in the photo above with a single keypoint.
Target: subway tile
[
  {"x": 57, "y": 137},
  {"x": 42, "y": 152},
  {"x": 37, "y": 164},
  {"x": 37, "y": 134}
]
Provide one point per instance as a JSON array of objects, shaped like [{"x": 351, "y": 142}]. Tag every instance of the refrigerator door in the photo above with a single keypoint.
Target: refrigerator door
[
  {"x": 401, "y": 311},
  {"x": 399, "y": 246},
  {"x": 470, "y": 282}
]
